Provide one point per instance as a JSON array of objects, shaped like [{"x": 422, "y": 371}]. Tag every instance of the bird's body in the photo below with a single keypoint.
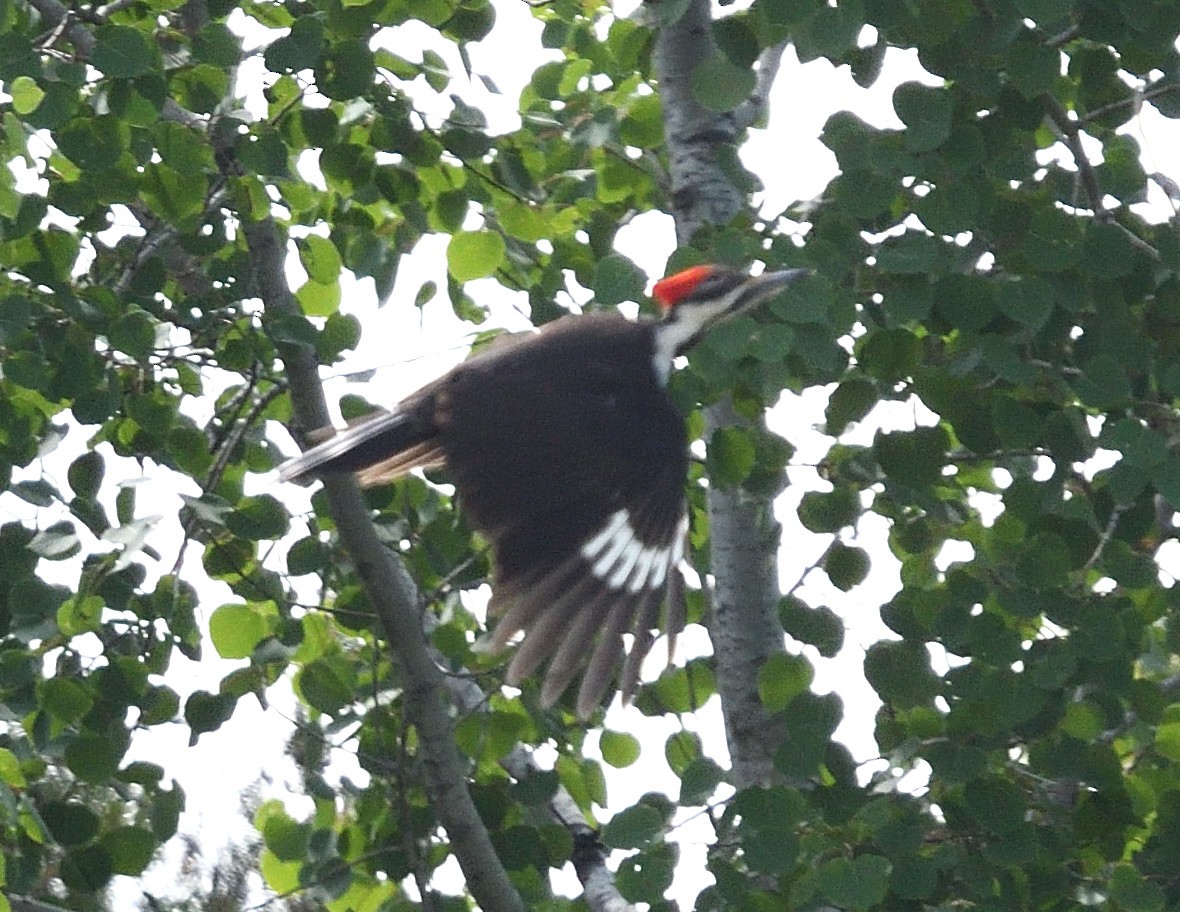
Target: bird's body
[{"x": 569, "y": 456}]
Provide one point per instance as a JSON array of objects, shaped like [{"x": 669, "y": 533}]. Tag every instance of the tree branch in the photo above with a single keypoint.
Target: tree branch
[
  {"x": 1070, "y": 131},
  {"x": 28, "y": 904},
  {"x": 589, "y": 858},
  {"x": 395, "y": 599},
  {"x": 55, "y": 13},
  {"x": 754, "y": 108}
]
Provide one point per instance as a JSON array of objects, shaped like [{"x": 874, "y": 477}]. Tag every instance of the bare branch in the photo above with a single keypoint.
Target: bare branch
[
  {"x": 754, "y": 108},
  {"x": 395, "y": 599},
  {"x": 598, "y": 883},
  {"x": 1065, "y": 37},
  {"x": 28, "y": 904},
  {"x": 56, "y": 13},
  {"x": 59, "y": 17},
  {"x": 1107, "y": 534},
  {"x": 1167, "y": 184},
  {"x": 1071, "y": 134}
]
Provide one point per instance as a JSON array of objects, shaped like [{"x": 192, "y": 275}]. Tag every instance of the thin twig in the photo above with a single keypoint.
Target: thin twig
[
  {"x": 753, "y": 108},
  {"x": 1070, "y": 131},
  {"x": 1107, "y": 534}
]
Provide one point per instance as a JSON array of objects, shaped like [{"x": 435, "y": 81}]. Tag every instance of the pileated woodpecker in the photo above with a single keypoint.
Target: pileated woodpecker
[{"x": 568, "y": 455}]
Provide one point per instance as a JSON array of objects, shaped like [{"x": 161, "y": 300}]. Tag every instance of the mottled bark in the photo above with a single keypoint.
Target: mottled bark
[{"x": 744, "y": 627}]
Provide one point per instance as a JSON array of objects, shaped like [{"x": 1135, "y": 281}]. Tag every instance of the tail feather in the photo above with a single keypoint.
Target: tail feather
[{"x": 375, "y": 440}]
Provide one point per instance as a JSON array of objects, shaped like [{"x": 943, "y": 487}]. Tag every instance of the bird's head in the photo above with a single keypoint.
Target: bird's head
[{"x": 697, "y": 298}]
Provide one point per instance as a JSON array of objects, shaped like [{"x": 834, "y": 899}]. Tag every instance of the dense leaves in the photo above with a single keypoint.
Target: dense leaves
[{"x": 993, "y": 313}]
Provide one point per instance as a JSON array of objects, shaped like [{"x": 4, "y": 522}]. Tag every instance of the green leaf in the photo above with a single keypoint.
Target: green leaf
[
  {"x": 647, "y": 875},
  {"x": 299, "y": 49},
  {"x": 80, "y": 614},
  {"x": 121, "y": 52},
  {"x": 260, "y": 517},
  {"x": 26, "y": 95},
  {"x": 633, "y": 827},
  {"x": 346, "y": 71},
  {"x": 643, "y": 124},
  {"x": 318, "y": 300},
  {"x": 308, "y": 555},
  {"x": 699, "y": 781},
  {"x": 721, "y": 85},
  {"x": 40, "y": 493},
  {"x": 85, "y": 475},
  {"x": 165, "y": 812},
  {"x": 130, "y": 848},
  {"x": 95, "y": 758},
  {"x": 159, "y": 705},
  {"x": 1033, "y": 66},
  {"x": 1017, "y": 424},
  {"x": 10, "y": 771},
  {"x": 914, "y": 458},
  {"x": 1027, "y": 301},
  {"x": 891, "y": 355},
  {"x": 832, "y": 31},
  {"x": 88, "y": 869},
  {"x": 176, "y": 196},
  {"x": 284, "y": 836},
  {"x": 1103, "y": 382},
  {"x": 679, "y": 690},
  {"x": 70, "y": 823},
  {"x": 782, "y": 678},
  {"x": 1045, "y": 561},
  {"x": 1082, "y": 721},
  {"x": 846, "y": 566},
  {"x": 1167, "y": 740},
  {"x": 236, "y": 630},
  {"x": 731, "y": 456},
  {"x": 949, "y": 208},
  {"x": 525, "y": 222},
  {"x": 326, "y": 684},
  {"x": 819, "y": 627},
  {"x": 619, "y": 749},
  {"x": 281, "y": 876},
  {"x": 66, "y": 699},
  {"x": 849, "y": 403},
  {"x": 1132, "y": 892},
  {"x": 1107, "y": 252},
  {"x": 926, "y": 112},
  {"x": 134, "y": 334},
  {"x": 901, "y": 673},
  {"x": 475, "y": 254},
  {"x": 768, "y": 818},
  {"x": 617, "y": 279},
  {"x": 200, "y": 88},
  {"x": 681, "y": 750},
  {"x": 206, "y": 712},
  {"x": 912, "y": 253},
  {"x": 217, "y": 45},
  {"x": 854, "y": 883}
]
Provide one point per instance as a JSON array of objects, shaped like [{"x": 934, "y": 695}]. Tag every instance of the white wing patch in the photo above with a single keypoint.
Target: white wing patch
[{"x": 620, "y": 559}]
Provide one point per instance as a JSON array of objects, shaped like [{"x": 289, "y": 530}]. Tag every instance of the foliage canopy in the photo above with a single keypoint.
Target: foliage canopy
[{"x": 988, "y": 260}]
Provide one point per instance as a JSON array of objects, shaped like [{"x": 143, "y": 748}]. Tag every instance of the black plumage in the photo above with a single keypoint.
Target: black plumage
[{"x": 568, "y": 455}]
